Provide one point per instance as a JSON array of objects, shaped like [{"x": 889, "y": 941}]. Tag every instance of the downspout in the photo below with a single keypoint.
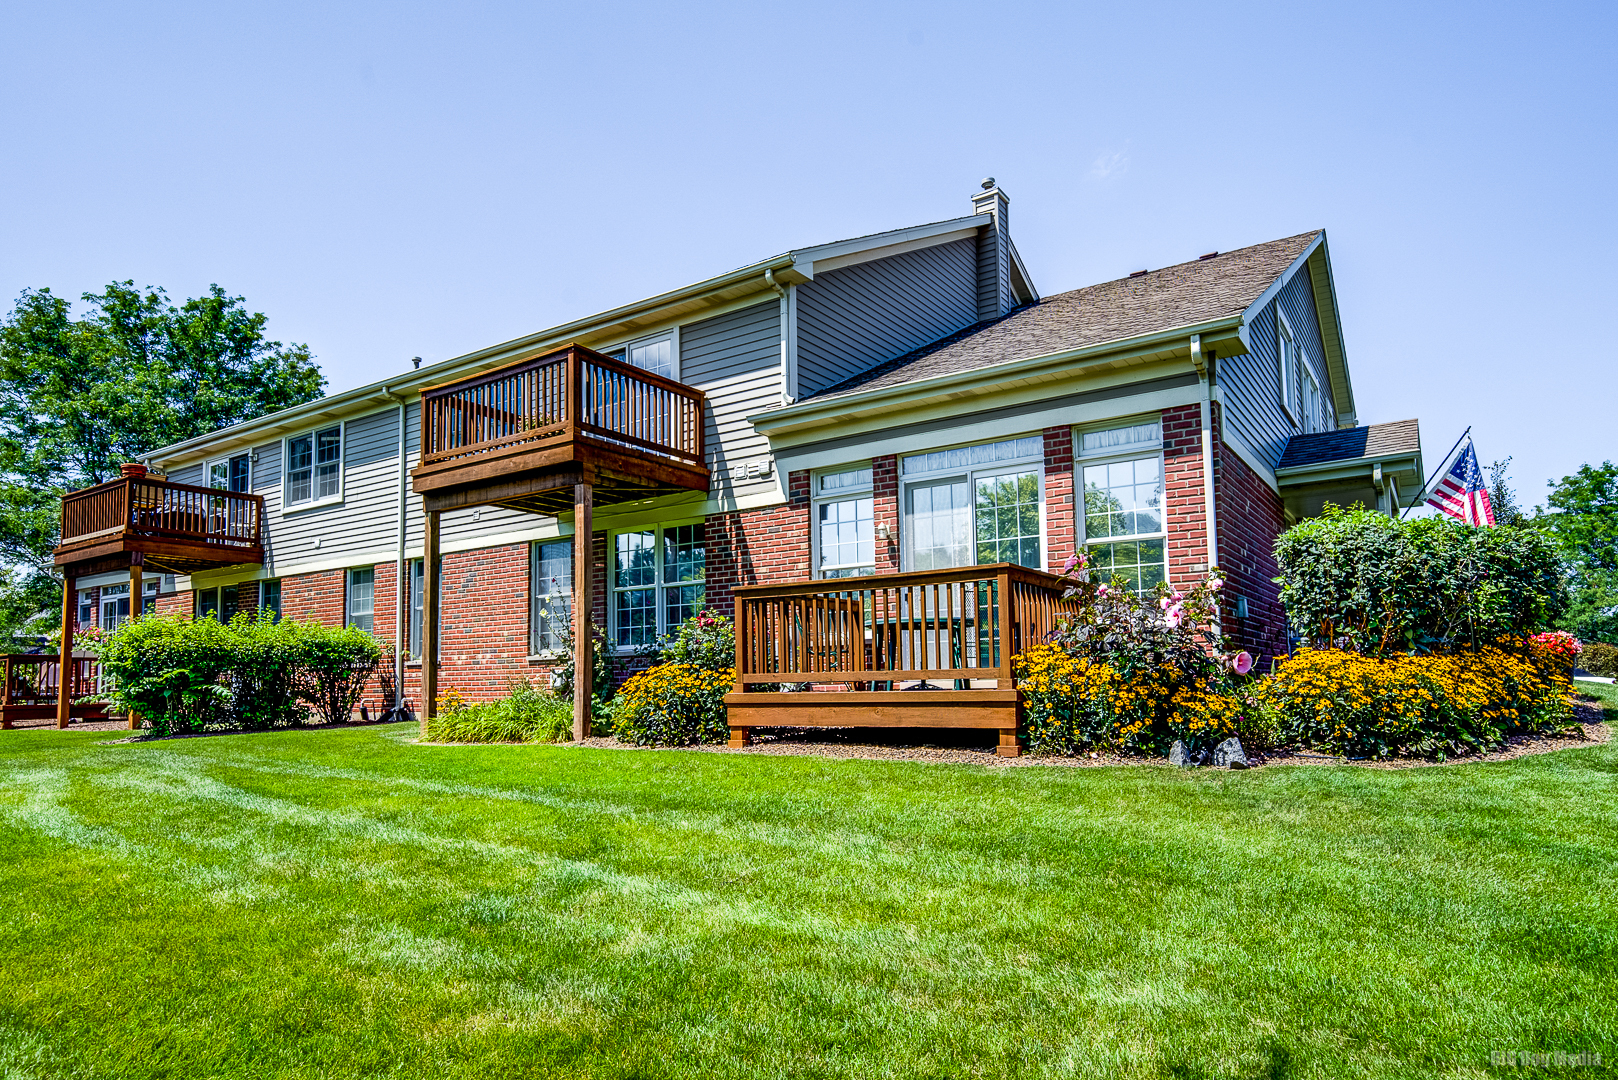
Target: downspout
[
  {"x": 401, "y": 602},
  {"x": 789, "y": 372}
]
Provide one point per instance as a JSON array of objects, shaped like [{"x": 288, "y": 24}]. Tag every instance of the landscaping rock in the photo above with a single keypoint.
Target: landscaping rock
[
  {"x": 1229, "y": 754},
  {"x": 1179, "y": 755}
]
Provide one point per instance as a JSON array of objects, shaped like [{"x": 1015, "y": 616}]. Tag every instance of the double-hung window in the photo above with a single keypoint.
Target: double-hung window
[
  {"x": 550, "y": 605},
  {"x": 1123, "y": 523},
  {"x": 844, "y": 516},
  {"x": 314, "y": 469},
  {"x": 654, "y": 354},
  {"x": 362, "y": 597},
  {"x": 658, "y": 581},
  {"x": 975, "y": 504},
  {"x": 231, "y": 474},
  {"x": 1301, "y": 397},
  {"x": 418, "y": 598}
]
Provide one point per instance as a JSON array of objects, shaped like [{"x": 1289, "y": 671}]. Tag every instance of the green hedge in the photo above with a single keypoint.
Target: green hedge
[
  {"x": 184, "y": 675},
  {"x": 1358, "y": 579}
]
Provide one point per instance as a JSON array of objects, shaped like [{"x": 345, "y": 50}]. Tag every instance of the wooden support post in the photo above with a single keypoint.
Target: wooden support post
[
  {"x": 429, "y": 620},
  {"x": 1009, "y": 746},
  {"x": 740, "y": 737},
  {"x": 5, "y": 699},
  {"x": 135, "y": 571},
  {"x": 584, "y": 598},
  {"x": 64, "y": 670}
]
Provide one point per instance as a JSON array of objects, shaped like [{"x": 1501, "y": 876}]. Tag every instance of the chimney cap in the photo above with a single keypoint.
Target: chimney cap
[{"x": 988, "y": 183}]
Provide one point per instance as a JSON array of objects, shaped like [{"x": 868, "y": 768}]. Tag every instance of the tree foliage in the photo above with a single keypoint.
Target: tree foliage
[
  {"x": 1585, "y": 525},
  {"x": 132, "y": 373}
]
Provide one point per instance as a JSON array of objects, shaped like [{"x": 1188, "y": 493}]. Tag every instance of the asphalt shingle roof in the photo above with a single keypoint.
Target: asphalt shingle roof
[
  {"x": 1375, "y": 440},
  {"x": 1183, "y": 295}
]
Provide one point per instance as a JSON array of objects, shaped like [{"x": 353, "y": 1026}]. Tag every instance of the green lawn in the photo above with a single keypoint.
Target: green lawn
[{"x": 345, "y": 903}]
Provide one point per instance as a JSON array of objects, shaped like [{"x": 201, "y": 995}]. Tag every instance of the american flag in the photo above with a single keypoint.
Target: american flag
[{"x": 1461, "y": 492}]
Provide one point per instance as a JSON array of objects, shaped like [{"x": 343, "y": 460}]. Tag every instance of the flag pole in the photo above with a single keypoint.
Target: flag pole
[{"x": 1441, "y": 465}]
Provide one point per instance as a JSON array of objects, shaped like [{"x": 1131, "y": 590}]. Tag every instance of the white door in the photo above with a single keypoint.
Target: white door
[{"x": 938, "y": 524}]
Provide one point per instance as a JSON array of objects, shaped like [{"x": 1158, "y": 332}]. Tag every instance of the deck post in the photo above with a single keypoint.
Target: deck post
[
  {"x": 429, "y": 620},
  {"x": 64, "y": 670},
  {"x": 584, "y": 599},
  {"x": 5, "y": 698},
  {"x": 136, "y": 559}
]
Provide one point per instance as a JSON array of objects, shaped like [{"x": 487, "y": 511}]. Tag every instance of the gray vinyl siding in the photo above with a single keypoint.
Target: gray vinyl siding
[
  {"x": 191, "y": 474},
  {"x": 735, "y": 359},
  {"x": 852, "y": 319},
  {"x": 1251, "y": 384}
]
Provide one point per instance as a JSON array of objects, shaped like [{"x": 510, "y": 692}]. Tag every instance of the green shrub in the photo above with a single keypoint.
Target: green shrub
[
  {"x": 527, "y": 715},
  {"x": 706, "y": 641},
  {"x": 1599, "y": 658},
  {"x": 171, "y": 672},
  {"x": 334, "y": 664},
  {"x": 263, "y": 675},
  {"x": 1358, "y": 579}
]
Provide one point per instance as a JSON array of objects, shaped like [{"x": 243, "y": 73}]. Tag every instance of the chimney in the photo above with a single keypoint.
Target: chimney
[{"x": 994, "y": 252}]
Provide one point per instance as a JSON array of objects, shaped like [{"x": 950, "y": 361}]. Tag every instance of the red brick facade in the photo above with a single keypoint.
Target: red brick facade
[
  {"x": 1183, "y": 495},
  {"x": 1250, "y": 517},
  {"x": 1061, "y": 522}
]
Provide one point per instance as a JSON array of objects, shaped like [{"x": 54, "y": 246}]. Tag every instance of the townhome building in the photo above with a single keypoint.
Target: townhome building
[{"x": 893, "y": 412}]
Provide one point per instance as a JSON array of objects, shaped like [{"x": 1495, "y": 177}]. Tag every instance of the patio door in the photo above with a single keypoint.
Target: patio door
[{"x": 114, "y": 606}]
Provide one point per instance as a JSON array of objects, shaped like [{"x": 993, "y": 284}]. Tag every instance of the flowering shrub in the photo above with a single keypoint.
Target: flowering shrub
[
  {"x": 706, "y": 640},
  {"x": 673, "y": 705},
  {"x": 87, "y": 639},
  {"x": 1557, "y": 647},
  {"x": 1433, "y": 705}
]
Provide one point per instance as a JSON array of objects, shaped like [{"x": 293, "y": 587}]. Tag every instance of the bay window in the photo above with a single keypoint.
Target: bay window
[
  {"x": 1123, "y": 523},
  {"x": 658, "y": 581}
]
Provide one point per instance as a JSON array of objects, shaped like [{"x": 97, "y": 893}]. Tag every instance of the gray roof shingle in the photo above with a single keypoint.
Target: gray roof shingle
[
  {"x": 1183, "y": 295},
  {"x": 1375, "y": 440}
]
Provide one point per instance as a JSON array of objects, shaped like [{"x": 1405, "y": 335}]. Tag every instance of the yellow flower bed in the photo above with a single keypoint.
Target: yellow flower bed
[
  {"x": 673, "y": 705},
  {"x": 1074, "y": 703}
]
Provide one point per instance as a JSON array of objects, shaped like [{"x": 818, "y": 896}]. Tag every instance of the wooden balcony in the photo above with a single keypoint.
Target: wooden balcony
[
  {"x": 173, "y": 528},
  {"x": 924, "y": 649},
  {"x": 524, "y": 435}
]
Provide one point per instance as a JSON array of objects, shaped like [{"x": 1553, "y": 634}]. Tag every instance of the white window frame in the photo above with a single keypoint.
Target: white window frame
[
  {"x": 287, "y": 506},
  {"x": 1134, "y": 453},
  {"x": 348, "y": 597},
  {"x": 672, "y": 335},
  {"x": 972, "y": 473},
  {"x": 659, "y": 586},
  {"x": 534, "y": 630},
  {"x": 1283, "y": 338},
  {"x": 817, "y": 499},
  {"x": 207, "y": 470}
]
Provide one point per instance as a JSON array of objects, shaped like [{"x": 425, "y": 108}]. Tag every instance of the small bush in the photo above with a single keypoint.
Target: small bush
[
  {"x": 673, "y": 705},
  {"x": 1358, "y": 579},
  {"x": 171, "y": 672},
  {"x": 706, "y": 641},
  {"x": 1435, "y": 705},
  {"x": 263, "y": 674},
  {"x": 1599, "y": 658},
  {"x": 527, "y": 715},
  {"x": 334, "y": 664}
]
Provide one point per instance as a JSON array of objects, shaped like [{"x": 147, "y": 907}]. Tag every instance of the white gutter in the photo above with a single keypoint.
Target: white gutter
[{"x": 1208, "y": 504}]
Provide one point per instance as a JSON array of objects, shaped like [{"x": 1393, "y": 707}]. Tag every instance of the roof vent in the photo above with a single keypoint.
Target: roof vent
[
  {"x": 1140, "y": 273},
  {"x": 415, "y": 361},
  {"x": 1210, "y": 255}
]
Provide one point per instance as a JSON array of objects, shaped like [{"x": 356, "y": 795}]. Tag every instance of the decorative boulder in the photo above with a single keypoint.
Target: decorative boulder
[
  {"x": 1179, "y": 755},
  {"x": 1229, "y": 754}
]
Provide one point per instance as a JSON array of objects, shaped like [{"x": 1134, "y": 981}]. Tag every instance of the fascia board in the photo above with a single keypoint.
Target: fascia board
[
  {"x": 805, "y": 258},
  {"x": 1283, "y": 277},
  {"x": 1405, "y": 463},
  {"x": 411, "y": 383},
  {"x": 1021, "y": 271},
  {"x": 811, "y": 412},
  {"x": 1337, "y": 326}
]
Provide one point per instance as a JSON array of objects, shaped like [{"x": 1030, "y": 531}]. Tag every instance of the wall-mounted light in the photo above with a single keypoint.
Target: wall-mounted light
[{"x": 883, "y": 533}]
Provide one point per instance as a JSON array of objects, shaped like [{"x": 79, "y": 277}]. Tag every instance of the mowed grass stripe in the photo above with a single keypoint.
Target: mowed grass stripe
[{"x": 346, "y": 903}]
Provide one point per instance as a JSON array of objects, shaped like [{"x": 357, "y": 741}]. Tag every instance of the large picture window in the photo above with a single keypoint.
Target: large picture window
[
  {"x": 844, "y": 516},
  {"x": 658, "y": 581},
  {"x": 975, "y": 504},
  {"x": 314, "y": 466},
  {"x": 550, "y": 609},
  {"x": 1123, "y": 521}
]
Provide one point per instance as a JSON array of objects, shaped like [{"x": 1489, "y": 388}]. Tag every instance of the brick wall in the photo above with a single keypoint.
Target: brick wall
[
  {"x": 1250, "y": 517},
  {"x": 885, "y": 507},
  {"x": 750, "y": 546},
  {"x": 1061, "y": 526},
  {"x": 1183, "y": 494}
]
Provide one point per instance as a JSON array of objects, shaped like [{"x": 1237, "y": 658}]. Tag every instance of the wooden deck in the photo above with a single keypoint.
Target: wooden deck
[
  {"x": 174, "y": 528},
  {"x": 523, "y": 436},
  {"x": 31, "y": 689},
  {"x": 923, "y": 649}
]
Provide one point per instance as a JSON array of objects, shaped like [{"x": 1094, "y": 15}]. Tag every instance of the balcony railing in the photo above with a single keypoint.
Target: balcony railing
[
  {"x": 568, "y": 397},
  {"x": 932, "y": 629},
  {"x": 30, "y": 684},
  {"x": 225, "y": 523}
]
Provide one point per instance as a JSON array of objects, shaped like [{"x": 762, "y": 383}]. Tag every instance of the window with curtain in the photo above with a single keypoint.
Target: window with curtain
[
  {"x": 1123, "y": 521},
  {"x": 550, "y": 611},
  {"x": 975, "y": 504},
  {"x": 658, "y": 581}
]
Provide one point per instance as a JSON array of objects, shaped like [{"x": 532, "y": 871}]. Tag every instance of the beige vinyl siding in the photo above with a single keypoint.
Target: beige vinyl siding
[{"x": 735, "y": 359}]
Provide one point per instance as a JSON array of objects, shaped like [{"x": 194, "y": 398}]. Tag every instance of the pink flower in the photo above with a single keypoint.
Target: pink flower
[
  {"x": 1216, "y": 584},
  {"x": 1101, "y": 591},
  {"x": 1174, "y": 616},
  {"x": 1242, "y": 662},
  {"x": 1072, "y": 561},
  {"x": 1164, "y": 603}
]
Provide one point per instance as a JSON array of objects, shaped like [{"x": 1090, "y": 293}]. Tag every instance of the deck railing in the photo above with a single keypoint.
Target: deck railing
[
  {"x": 941, "y": 629},
  {"x": 557, "y": 398},
  {"x": 157, "y": 509}
]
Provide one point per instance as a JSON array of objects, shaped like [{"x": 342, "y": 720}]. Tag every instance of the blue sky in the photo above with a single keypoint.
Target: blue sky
[{"x": 394, "y": 180}]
